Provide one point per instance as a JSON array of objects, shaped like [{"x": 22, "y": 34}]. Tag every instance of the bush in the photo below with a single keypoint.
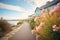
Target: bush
[
  {"x": 20, "y": 22},
  {"x": 5, "y": 27},
  {"x": 32, "y": 23},
  {"x": 49, "y": 27}
]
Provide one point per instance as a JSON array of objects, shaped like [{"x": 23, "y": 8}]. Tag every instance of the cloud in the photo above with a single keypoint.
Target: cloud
[
  {"x": 37, "y": 3},
  {"x": 23, "y": 13},
  {"x": 11, "y": 7},
  {"x": 16, "y": 8}
]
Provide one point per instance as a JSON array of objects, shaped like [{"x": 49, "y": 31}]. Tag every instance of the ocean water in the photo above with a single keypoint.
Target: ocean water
[{"x": 13, "y": 22}]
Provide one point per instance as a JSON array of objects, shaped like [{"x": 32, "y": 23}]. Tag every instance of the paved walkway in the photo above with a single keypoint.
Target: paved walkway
[
  {"x": 10, "y": 34},
  {"x": 24, "y": 33}
]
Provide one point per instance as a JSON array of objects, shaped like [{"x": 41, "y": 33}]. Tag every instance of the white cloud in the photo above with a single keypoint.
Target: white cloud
[
  {"x": 41, "y": 2},
  {"x": 37, "y": 3},
  {"x": 11, "y": 7},
  {"x": 25, "y": 13}
]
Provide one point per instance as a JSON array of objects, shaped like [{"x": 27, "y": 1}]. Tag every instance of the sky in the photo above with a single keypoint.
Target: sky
[{"x": 19, "y": 9}]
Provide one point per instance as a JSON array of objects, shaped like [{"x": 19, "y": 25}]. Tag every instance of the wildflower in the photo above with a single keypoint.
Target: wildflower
[
  {"x": 37, "y": 28},
  {"x": 37, "y": 37},
  {"x": 43, "y": 12},
  {"x": 56, "y": 9},
  {"x": 54, "y": 26},
  {"x": 36, "y": 19},
  {"x": 57, "y": 28},
  {"x": 51, "y": 12},
  {"x": 41, "y": 24},
  {"x": 58, "y": 4},
  {"x": 33, "y": 31},
  {"x": 54, "y": 29}
]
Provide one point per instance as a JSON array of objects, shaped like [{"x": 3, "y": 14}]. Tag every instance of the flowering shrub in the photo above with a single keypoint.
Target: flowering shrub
[{"x": 49, "y": 24}]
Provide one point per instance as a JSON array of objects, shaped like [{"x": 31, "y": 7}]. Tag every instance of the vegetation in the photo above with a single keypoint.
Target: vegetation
[
  {"x": 5, "y": 27},
  {"x": 20, "y": 22},
  {"x": 32, "y": 23},
  {"x": 49, "y": 24}
]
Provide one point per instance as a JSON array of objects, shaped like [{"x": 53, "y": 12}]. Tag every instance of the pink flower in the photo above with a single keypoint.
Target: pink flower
[
  {"x": 51, "y": 12},
  {"x": 33, "y": 31},
  {"x": 54, "y": 29},
  {"x": 36, "y": 18},
  {"x": 58, "y": 4},
  {"x": 41, "y": 24},
  {"x": 57, "y": 28},
  {"x": 37, "y": 28},
  {"x": 37, "y": 37},
  {"x": 54, "y": 26},
  {"x": 56, "y": 9},
  {"x": 43, "y": 11}
]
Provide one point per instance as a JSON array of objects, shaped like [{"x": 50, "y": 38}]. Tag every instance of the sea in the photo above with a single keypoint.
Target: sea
[{"x": 13, "y": 22}]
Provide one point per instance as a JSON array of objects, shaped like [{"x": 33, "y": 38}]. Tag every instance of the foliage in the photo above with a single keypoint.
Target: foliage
[
  {"x": 32, "y": 23},
  {"x": 5, "y": 27},
  {"x": 49, "y": 24},
  {"x": 20, "y": 22}
]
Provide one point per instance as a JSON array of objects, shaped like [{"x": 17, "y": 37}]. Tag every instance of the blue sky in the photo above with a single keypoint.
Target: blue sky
[
  {"x": 19, "y": 9},
  {"x": 21, "y": 3}
]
